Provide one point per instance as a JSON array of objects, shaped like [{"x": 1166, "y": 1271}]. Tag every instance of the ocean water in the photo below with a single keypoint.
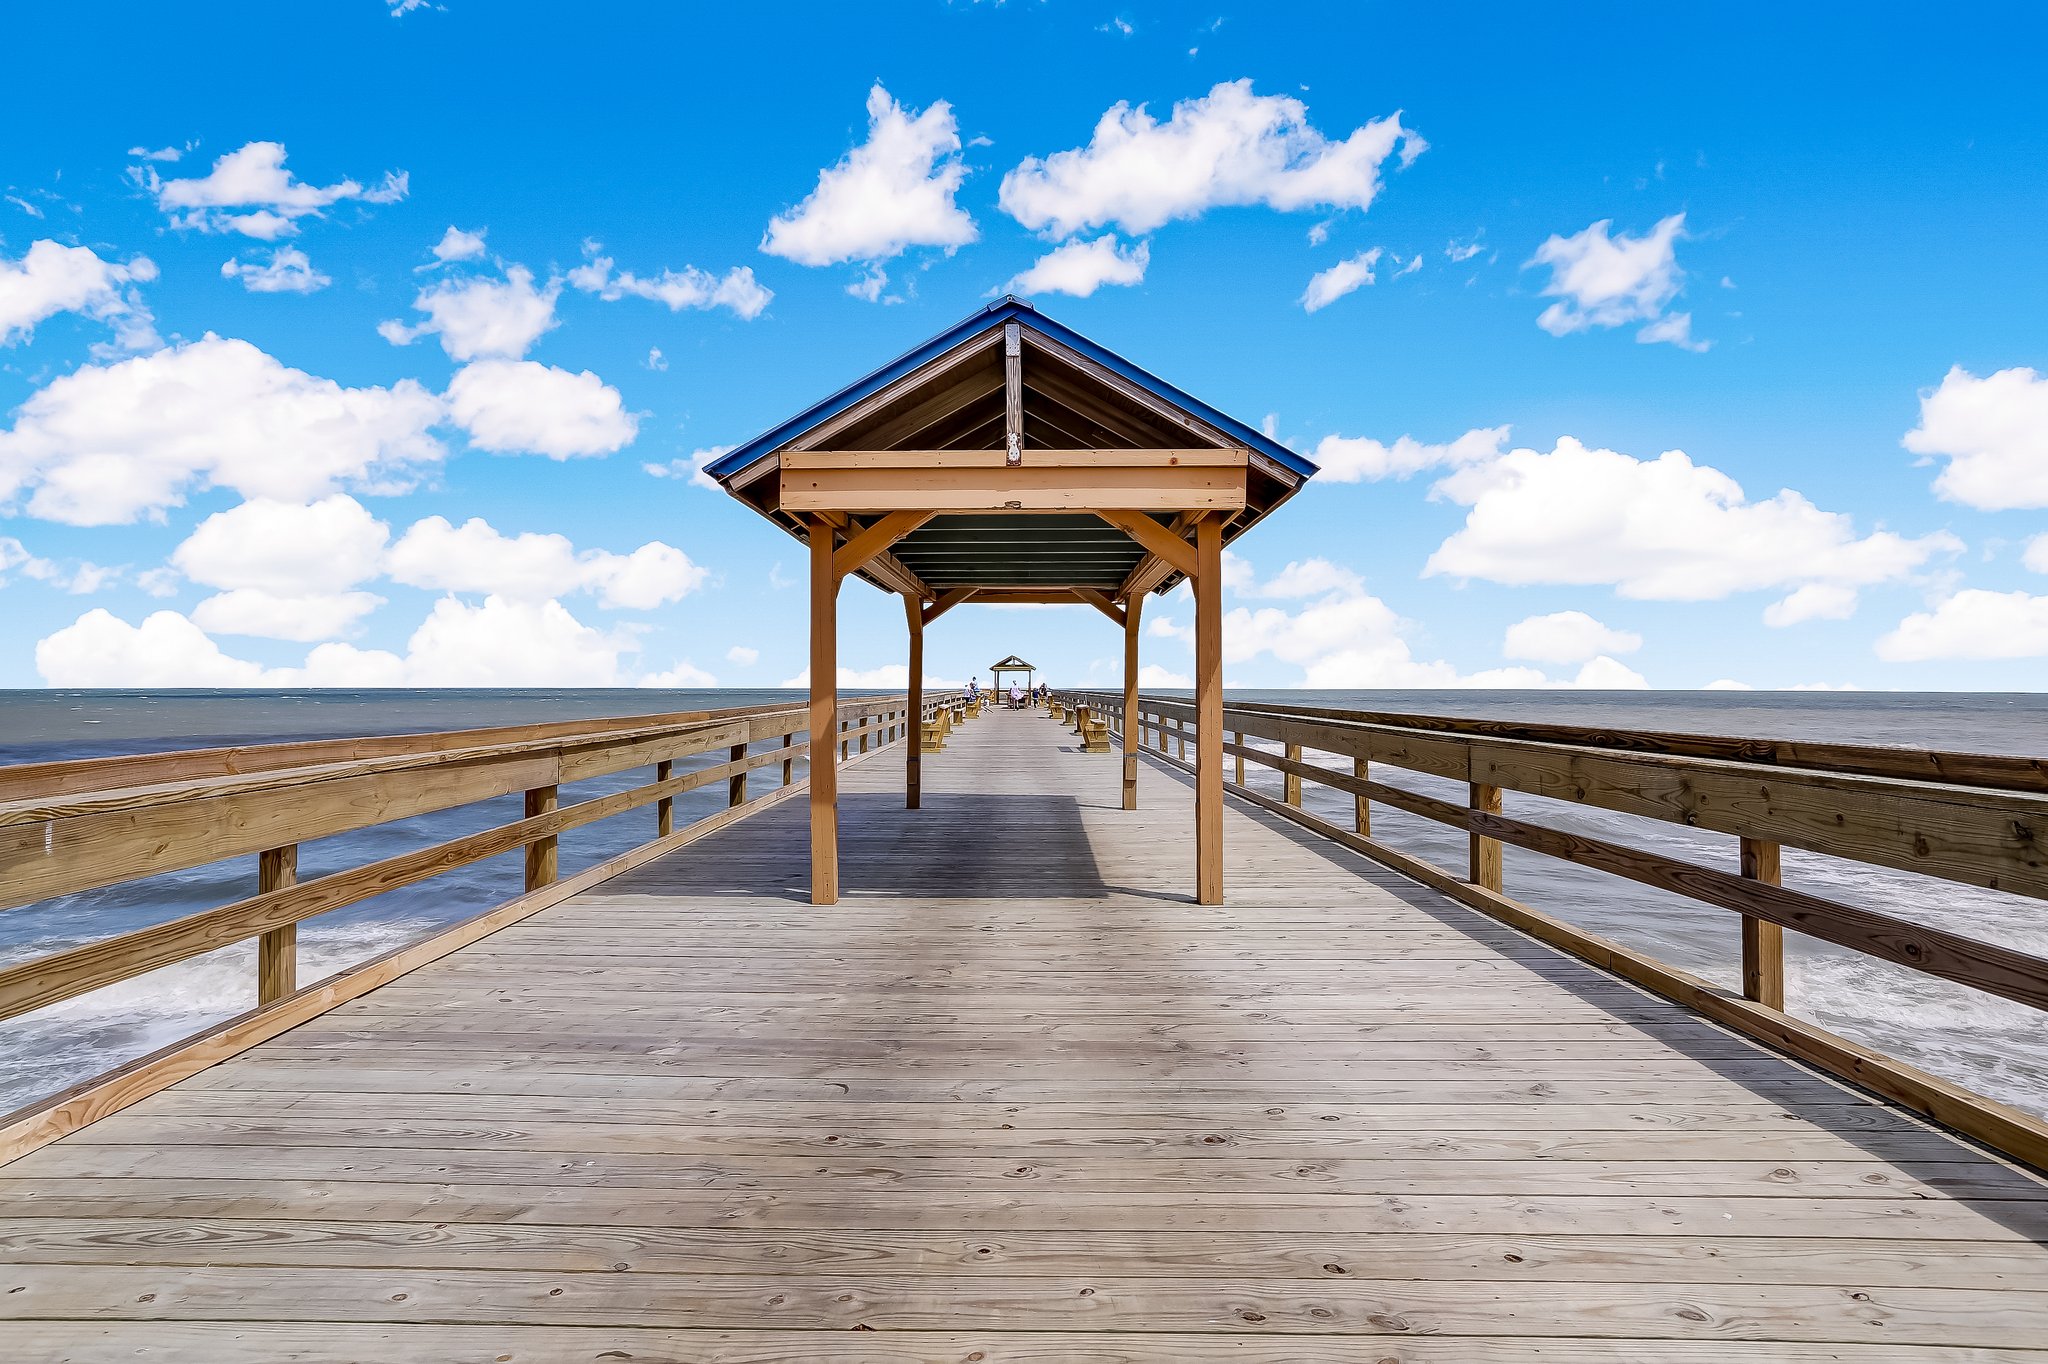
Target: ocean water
[{"x": 1993, "y": 1046}]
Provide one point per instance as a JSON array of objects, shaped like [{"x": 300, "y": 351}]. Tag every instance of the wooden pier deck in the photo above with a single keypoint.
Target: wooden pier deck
[{"x": 1015, "y": 1098}]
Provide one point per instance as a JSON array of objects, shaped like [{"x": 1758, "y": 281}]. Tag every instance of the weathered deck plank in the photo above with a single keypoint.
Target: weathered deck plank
[{"x": 1014, "y": 1099}]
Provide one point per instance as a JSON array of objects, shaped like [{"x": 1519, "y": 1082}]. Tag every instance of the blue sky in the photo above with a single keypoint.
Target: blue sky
[{"x": 254, "y": 430}]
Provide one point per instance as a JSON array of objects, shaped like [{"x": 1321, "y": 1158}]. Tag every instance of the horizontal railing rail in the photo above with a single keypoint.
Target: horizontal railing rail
[
  {"x": 80, "y": 826},
  {"x": 1974, "y": 819}
]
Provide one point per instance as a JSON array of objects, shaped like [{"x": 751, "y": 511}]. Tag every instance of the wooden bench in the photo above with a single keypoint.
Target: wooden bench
[{"x": 1094, "y": 735}]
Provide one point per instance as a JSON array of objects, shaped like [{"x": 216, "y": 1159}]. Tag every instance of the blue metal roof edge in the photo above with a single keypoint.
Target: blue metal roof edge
[{"x": 1003, "y": 310}]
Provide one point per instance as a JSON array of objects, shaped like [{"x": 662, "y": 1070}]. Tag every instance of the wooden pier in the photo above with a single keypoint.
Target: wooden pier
[{"x": 1014, "y": 1098}]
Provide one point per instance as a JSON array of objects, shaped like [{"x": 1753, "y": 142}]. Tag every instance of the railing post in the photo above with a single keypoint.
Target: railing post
[
  {"x": 1763, "y": 943},
  {"x": 1182, "y": 734},
  {"x": 736, "y": 784},
  {"x": 1239, "y": 736},
  {"x": 788, "y": 764},
  {"x": 277, "y": 951},
  {"x": 842, "y": 741},
  {"x": 1362, "y": 814},
  {"x": 665, "y": 808},
  {"x": 1290, "y": 787},
  {"x": 865, "y": 720},
  {"x": 540, "y": 854},
  {"x": 1486, "y": 851}
]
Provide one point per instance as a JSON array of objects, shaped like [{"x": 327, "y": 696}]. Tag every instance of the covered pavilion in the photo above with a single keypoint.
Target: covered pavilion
[
  {"x": 1011, "y": 459},
  {"x": 1012, "y": 664}
]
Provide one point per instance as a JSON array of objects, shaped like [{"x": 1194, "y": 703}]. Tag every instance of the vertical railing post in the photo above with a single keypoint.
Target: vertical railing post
[
  {"x": 1485, "y": 868},
  {"x": 842, "y": 741},
  {"x": 1290, "y": 787},
  {"x": 788, "y": 764},
  {"x": 540, "y": 854},
  {"x": 277, "y": 951},
  {"x": 1183, "y": 736},
  {"x": 665, "y": 808},
  {"x": 1239, "y": 737},
  {"x": 864, "y": 722},
  {"x": 736, "y": 784},
  {"x": 1362, "y": 812},
  {"x": 1763, "y": 943}
]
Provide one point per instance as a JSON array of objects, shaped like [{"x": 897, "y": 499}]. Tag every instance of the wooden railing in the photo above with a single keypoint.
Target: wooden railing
[
  {"x": 1976, "y": 819},
  {"x": 71, "y": 827}
]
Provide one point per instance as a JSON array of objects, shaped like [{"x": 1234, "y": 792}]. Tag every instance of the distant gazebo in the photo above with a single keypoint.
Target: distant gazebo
[
  {"x": 1011, "y": 460},
  {"x": 1012, "y": 664}
]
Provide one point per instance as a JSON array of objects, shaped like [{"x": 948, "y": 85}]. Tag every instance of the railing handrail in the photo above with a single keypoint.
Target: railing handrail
[{"x": 1942, "y": 824}]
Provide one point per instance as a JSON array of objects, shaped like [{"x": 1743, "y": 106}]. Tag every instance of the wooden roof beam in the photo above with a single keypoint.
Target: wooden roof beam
[
  {"x": 1200, "y": 478},
  {"x": 1101, "y": 602},
  {"x": 1156, "y": 539},
  {"x": 946, "y": 601},
  {"x": 875, "y": 403},
  {"x": 865, "y": 545}
]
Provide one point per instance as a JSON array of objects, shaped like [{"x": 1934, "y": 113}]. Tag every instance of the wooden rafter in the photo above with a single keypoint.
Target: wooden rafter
[
  {"x": 1099, "y": 599},
  {"x": 866, "y": 544},
  {"x": 1153, "y": 570},
  {"x": 874, "y": 404},
  {"x": 1156, "y": 539},
  {"x": 944, "y": 602}
]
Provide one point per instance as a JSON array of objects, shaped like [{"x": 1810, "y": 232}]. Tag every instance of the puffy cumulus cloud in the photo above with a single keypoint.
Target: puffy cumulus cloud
[
  {"x": 1566, "y": 637},
  {"x": 892, "y": 192},
  {"x": 1971, "y": 624},
  {"x": 684, "y": 674},
  {"x": 481, "y": 317},
  {"x": 1359, "y": 459},
  {"x": 284, "y": 547},
  {"x": 2035, "y": 556},
  {"x": 1081, "y": 267},
  {"x": 476, "y": 557},
  {"x": 1306, "y": 578},
  {"x": 1661, "y": 530},
  {"x": 250, "y": 191},
  {"x": 1603, "y": 280},
  {"x": 689, "y": 287},
  {"x": 51, "y": 278},
  {"x": 307, "y": 617},
  {"x": 493, "y": 643},
  {"x": 1815, "y": 601},
  {"x": 522, "y": 405},
  {"x": 457, "y": 245},
  {"x": 100, "y": 649},
  {"x": 288, "y": 271},
  {"x": 1154, "y": 677},
  {"x": 693, "y": 467},
  {"x": 1994, "y": 434},
  {"x": 1327, "y": 286},
  {"x": 116, "y": 442},
  {"x": 1727, "y": 684},
  {"x": 1228, "y": 147},
  {"x": 744, "y": 655}
]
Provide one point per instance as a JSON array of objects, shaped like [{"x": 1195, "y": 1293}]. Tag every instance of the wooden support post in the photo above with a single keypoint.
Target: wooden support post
[
  {"x": 913, "y": 758},
  {"x": 863, "y": 745},
  {"x": 824, "y": 717},
  {"x": 1362, "y": 807},
  {"x": 1209, "y": 711},
  {"x": 842, "y": 740},
  {"x": 1763, "y": 944},
  {"x": 1485, "y": 862},
  {"x": 736, "y": 784},
  {"x": 665, "y": 808},
  {"x": 540, "y": 854},
  {"x": 277, "y": 951},
  {"x": 788, "y": 764},
  {"x": 1290, "y": 782},
  {"x": 1239, "y": 736},
  {"x": 1131, "y": 746}
]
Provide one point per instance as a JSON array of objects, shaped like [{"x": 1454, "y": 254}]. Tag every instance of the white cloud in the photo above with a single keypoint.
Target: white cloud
[
  {"x": 482, "y": 317},
  {"x": 1973, "y": 624},
  {"x": 306, "y": 618},
  {"x": 1307, "y": 578},
  {"x": 1153, "y": 677},
  {"x": 1610, "y": 281},
  {"x": 693, "y": 467},
  {"x": 1357, "y": 459},
  {"x": 251, "y": 192},
  {"x": 456, "y": 245},
  {"x": 888, "y": 677},
  {"x": 1081, "y": 267},
  {"x": 1228, "y": 147},
  {"x": 512, "y": 405},
  {"x": 1815, "y": 601},
  {"x": 689, "y": 287},
  {"x": 890, "y": 193},
  {"x": 52, "y": 278},
  {"x": 656, "y": 361},
  {"x": 1327, "y": 286},
  {"x": 101, "y": 650},
  {"x": 112, "y": 443},
  {"x": 77, "y": 576},
  {"x": 286, "y": 272},
  {"x": 684, "y": 674},
  {"x": 1566, "y": 637},
  {"x": 2036, "y": 554},
  {"x": 1727, "y": 684},
  {"x": 497, "y": 643},
  {"x": 1994, "y": 432},
  {"x": 743, "y": 655},
  {"x": 476, "y": 557},
  {"x": 1662, "y": 530},
  {"x": 401, "y": 8},
  {"x": 1604, "y": 674},
  {"x": 160, "y": 154},
  {"x": 285, "y": 548},
  {"x": 1459, "y": 252},
  {"x": 868, "y": 286}
]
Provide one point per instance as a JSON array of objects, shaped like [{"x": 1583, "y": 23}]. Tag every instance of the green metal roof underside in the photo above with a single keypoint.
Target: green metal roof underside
[{"x": 1019, "y": 551}]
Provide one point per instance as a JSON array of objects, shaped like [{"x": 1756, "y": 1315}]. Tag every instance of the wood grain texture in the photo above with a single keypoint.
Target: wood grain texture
[{"x": 1014, "y": 1098}]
